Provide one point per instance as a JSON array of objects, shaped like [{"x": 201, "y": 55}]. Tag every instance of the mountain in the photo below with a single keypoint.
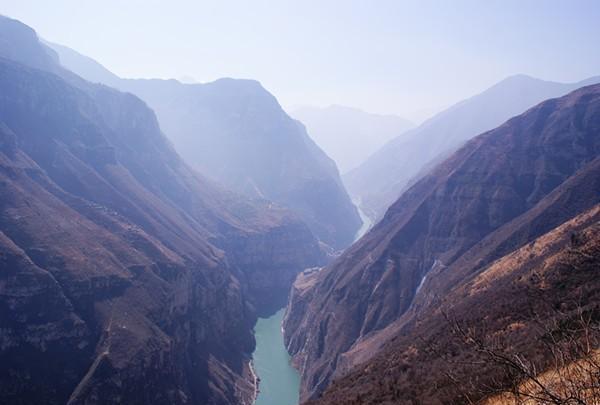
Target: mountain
[
  {"x": 511, "y": 308},
  {"x": 20, "y": 44},
  {"x": 379, "y": 181},
  {"x": 499, "y": 192},
  {"x": 347, "y": 134},
  {"x": 235, "y": 132},
  {"x": 125, "y": 276}
]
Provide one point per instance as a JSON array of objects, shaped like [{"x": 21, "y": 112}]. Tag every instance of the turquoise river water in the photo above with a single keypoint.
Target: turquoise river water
[{"x": 279, "y": 381}]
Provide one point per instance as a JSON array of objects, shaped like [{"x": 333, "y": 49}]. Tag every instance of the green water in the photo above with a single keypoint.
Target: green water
[{"x": 279, "y": 381}]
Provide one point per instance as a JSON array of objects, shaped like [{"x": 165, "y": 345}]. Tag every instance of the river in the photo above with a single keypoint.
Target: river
[
  {"x": 366, "y": 223},
  {"x": 279, "y": 381}
]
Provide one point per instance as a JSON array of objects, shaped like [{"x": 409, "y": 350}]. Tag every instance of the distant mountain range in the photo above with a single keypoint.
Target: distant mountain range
[
  {"x": 235, "y": 132},
  {"x": 467, "y": 239},
  {"x": 380, "y": 180},
  {"x": 348, "y": 135}
]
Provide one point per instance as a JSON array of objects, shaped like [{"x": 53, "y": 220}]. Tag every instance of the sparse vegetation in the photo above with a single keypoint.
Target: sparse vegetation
[{"x": 567, "y": 372}]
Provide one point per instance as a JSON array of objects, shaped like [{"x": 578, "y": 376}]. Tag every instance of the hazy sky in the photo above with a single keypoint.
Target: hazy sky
[{"x": 382, "y": 56}]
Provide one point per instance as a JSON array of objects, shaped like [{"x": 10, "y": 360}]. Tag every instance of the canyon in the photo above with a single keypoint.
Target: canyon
[{"x": 177, "y": 242}]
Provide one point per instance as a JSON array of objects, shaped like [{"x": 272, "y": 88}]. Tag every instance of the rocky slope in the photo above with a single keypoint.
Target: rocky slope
[
  {"x": 236, "y": 132},
  {"x": 519, "y": 304},
  {"x": 500, "y": 191},
  {"x": 348, "y": 135},
  {"x": 125, "y": 276},
  {"x": 380, "y": 180}
]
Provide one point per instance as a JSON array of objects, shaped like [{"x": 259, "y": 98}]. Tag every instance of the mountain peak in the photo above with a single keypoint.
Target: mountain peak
[
  {"x": 24, "y": 45},
  {"x": 519, "y": 77},
  {"x": 381, "y": 179},
  {"x": 235, "y": 132}
]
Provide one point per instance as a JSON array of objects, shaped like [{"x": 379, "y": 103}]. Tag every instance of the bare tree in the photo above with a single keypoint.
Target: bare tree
[{"x": 567, "y": 372}]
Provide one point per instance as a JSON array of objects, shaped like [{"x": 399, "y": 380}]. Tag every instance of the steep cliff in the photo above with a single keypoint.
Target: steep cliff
[
  {"x": 125, "y": 276},
  {"x": 454, "y": 221},
  {"x": 235, "y": 132}
]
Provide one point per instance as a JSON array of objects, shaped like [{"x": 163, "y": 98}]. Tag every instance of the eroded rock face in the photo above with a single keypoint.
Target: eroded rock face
[
  {"x": 436, "y": 224},
  {"x": 270, "y": 262},
  {"x": 125, "y": 276}
]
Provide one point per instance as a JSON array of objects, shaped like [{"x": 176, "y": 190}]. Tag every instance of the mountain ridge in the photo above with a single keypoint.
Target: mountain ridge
[
  {"x": 401, "y": 162},
  {"x": 235, "y": 132},
  {"x": 494, "y": 178}
]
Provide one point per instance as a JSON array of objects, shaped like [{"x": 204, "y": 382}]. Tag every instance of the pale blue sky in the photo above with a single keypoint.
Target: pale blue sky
[{"x": 382, "y": 56}]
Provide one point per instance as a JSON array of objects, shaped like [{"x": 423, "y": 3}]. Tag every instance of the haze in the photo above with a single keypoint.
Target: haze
[{"x": 407, "y": 58}]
